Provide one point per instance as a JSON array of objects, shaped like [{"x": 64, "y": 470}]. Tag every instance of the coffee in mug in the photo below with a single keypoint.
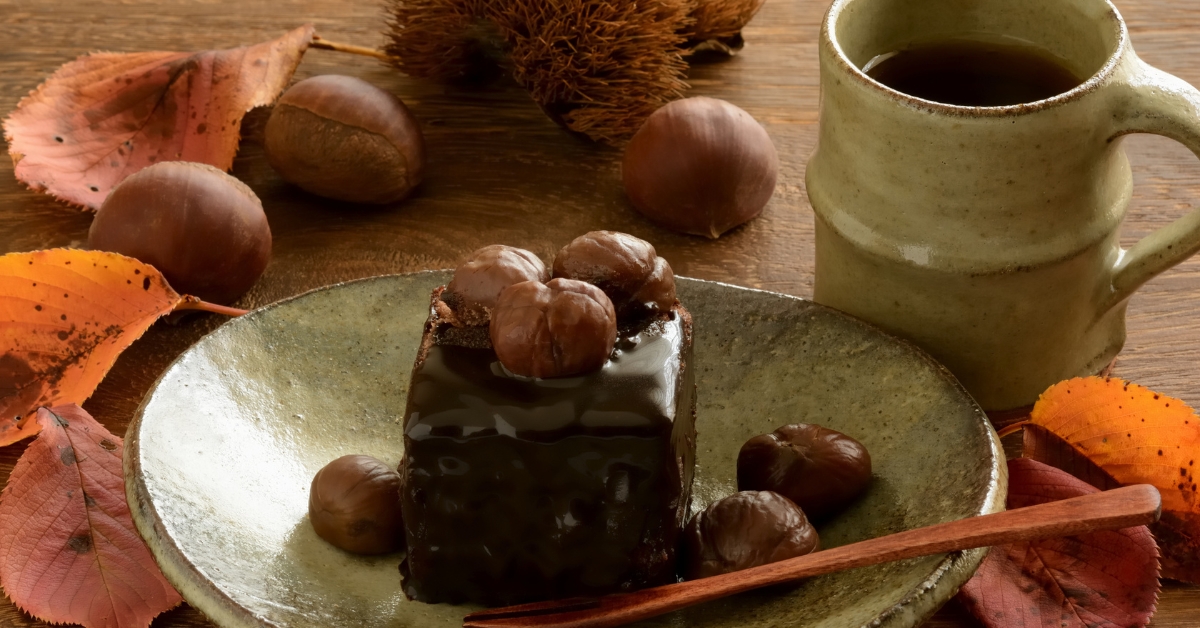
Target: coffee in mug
[{"x": 973, "y": 73}]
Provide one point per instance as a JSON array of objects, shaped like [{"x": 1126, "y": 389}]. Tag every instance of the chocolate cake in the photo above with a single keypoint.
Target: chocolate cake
[{"x": 519, "y": 488}]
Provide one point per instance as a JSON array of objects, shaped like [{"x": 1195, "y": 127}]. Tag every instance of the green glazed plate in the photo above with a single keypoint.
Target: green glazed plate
[{"x": 219, "y": 459}]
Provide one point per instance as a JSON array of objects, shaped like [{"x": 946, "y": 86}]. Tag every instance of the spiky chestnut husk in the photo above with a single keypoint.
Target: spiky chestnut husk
[
  {"x": 603, "y": 67},
  {"x": 721, "y": 21},
  {"x": 599, "y": 67},
  {"x": 441, "y": 39}
]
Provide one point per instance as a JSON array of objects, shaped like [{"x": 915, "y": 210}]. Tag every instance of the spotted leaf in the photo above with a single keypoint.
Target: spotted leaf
[
  {"x": 69, "y": 552},
  {"x": 104, "y": 116},
  {"x": 65, "y": 316}
]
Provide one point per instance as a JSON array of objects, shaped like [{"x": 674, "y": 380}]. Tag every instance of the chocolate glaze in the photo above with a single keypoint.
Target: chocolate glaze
[{"x": 517, "y": 489}]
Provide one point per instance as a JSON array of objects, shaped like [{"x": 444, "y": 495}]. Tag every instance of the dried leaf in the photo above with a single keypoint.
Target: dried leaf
[
  {"x": 1106, "y": 579},
  {"x": 1129, "y": 435},
  {"x": 69, "y": 552},
  {"x": 105, "y": 116},
  {"x": 18, "y": 429},
  {"x": 65, "y": 316}
]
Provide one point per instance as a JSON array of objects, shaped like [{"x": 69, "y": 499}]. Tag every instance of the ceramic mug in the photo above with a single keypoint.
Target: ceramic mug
[{"x": 989, "y": 235}]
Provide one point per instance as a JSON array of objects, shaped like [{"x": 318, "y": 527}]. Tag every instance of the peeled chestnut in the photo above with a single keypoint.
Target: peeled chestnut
[
  {"x": 701, "y": 166},
  {"x": 204, "y": 230},
  {"x": 478, "y": 281},
  {"x": 820, "y": 469},
  {"x": 626, "y": 268},
  {"x": 556, "y": 329},
  {"x": 343, "y": 138},
  {"x": 354, "y": 504},
  {"x": 745, "y": 530}
]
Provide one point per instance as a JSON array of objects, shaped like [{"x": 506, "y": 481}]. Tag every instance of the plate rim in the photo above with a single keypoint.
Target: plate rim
[{"x": 202, "y": 594}]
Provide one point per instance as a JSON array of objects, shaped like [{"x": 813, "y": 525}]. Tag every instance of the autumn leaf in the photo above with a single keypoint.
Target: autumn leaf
[
  {"x": 104, "y": 116},
  {"x": 69, "y": 552},
  {"x": 18, "y": 429},
  {"x": 65, "y": 316},
  {"x": 1110, "y": 433},
  {"x": 1107, "y": 578}
]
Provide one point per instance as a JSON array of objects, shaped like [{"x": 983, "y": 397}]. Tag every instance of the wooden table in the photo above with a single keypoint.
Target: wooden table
[{"x": 499, "y": 171}]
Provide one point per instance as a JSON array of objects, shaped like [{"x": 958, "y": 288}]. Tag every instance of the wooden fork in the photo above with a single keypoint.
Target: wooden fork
[{"x": 1120, "y": 508}]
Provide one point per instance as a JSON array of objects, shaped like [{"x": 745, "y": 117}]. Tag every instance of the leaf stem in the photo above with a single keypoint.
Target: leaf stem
[
  {"x": 193, "y": 303},
  {"x": 1013, "y": 429},
  {"x": 325, "y": 44}
]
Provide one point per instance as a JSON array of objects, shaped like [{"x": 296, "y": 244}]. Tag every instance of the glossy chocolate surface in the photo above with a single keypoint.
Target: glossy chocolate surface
[{"x": 519, "y": 489}]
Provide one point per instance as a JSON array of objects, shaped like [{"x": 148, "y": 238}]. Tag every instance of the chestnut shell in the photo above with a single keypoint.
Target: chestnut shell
[
  {"x": 745, "y": 530},
  {"x": 820, "y": 469},
  {"x": 354, "y": 504},
  {"x": 343, "y": 138},
  {"x": 701, "y": 166},
  {"x": 204, "y": 230}
]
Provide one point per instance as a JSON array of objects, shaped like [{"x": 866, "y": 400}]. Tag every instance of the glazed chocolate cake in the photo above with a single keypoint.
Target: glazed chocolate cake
[{"x": 520, "y": 488}]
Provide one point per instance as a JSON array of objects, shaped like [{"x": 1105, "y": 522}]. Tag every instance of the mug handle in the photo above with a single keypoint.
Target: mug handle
[{"x": 1162, "y": 104}]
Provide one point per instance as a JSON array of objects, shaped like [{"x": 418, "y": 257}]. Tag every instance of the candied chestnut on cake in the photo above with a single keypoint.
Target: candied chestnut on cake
[
  {"x": 549, "y": 440},
  {"x": 820, "y": 469},
  {"x": 626, "y": 268},
  {"x": 744, "y": 530},
  {"x": 556, "y": 329},
  {"x": 480, "y": 279}
]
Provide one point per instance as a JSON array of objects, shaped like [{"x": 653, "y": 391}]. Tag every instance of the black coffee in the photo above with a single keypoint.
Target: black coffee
[{"x": 973, "y": 73}]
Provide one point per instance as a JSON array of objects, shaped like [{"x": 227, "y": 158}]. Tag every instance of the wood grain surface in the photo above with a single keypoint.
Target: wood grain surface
[{"x": 499, "y": 171}]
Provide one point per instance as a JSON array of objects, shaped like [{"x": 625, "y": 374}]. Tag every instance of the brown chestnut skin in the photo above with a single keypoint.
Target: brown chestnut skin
[
  {"x": 204, "y": 230},
  {"x": 354, "y": 504},
  {"x": 626, "y": 268},
  {"x": 820, "y": 469},
  {"x": 479, "y": 280},
  {"x": 342, "y": 138},
  {"x": 556, "y": 329},
  {"x": 701, "y": 166},
  {"x": 744, "y": 530}
]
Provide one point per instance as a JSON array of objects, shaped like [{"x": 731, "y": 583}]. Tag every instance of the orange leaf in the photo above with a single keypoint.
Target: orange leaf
[
  {"x": 1105, "y": 578},
  {"x": 104, "y": 116},
  {"x": 69, "y": 552},
  {"x": 65, "y": 316},
  {"x": 1128, "y": 434},
  {"x": 18, "y": 429}
]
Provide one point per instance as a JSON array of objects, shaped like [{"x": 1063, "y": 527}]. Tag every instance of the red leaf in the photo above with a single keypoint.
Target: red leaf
[
  {"x": 1106, "y": 579},
  {"x": 1108, "y": 433},
  {"x": 65, "y": 316},
  {"x": 1176, "y": 533},
  {"x": 105, "y": 116},
  {"x": 68, "y": 550}
]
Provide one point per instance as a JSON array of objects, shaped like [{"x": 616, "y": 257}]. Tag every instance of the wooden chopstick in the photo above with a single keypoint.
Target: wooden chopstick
[{"x": 1120, "y": 508}]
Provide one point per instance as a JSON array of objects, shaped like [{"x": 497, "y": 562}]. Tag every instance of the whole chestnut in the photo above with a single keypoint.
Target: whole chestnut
[
  {"x": 354, "y": 504},
  {"x": 626, "y": 268},
  {"x": 204, "y": 230},
  {"x": 745, "y": 530},
  {"x": 479, "y": 280},
  {"x": 556, "y": 329},
  {"x": 701, "y": 166},
  {"x": 820, "y": 469},
  {"x": 343, "y": 138}
]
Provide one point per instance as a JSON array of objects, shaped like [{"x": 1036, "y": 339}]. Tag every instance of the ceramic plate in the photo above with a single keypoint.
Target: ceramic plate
[{"x": 221, "y": 454}]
